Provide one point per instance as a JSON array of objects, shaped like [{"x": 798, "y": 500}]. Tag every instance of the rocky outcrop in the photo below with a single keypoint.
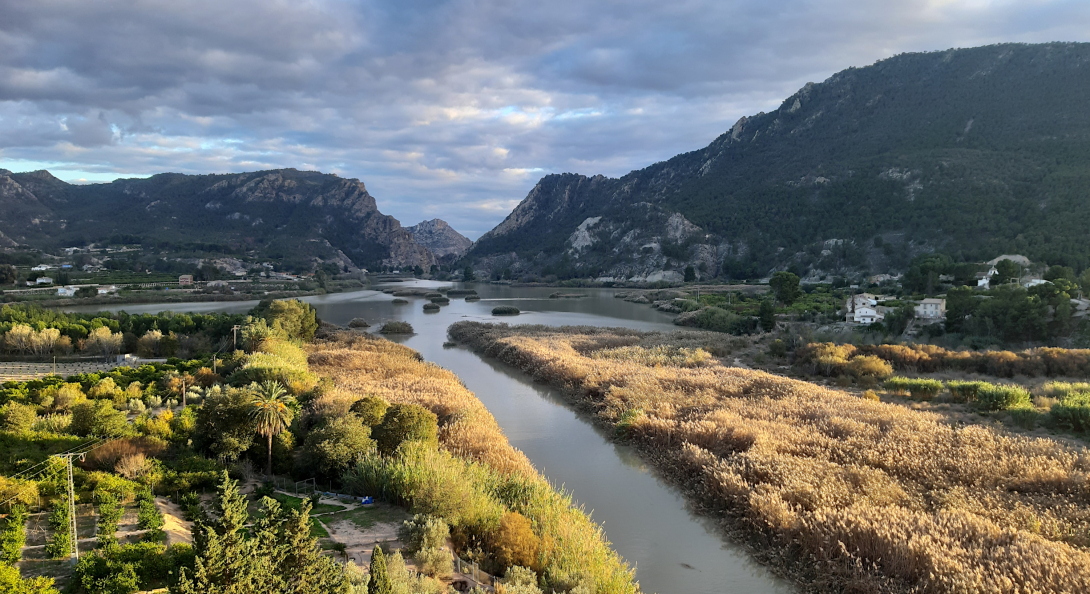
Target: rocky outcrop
[{"x": 440, "y": 238}]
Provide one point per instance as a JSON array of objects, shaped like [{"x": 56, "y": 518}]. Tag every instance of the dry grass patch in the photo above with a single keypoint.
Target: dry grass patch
[{"x": 857, "y": 492}]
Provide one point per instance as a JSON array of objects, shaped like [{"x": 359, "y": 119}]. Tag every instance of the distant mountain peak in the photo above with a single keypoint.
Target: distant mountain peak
[{"x": 440, "y": 238}]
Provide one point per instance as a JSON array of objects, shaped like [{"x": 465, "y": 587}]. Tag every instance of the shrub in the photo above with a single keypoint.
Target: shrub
[
  {"x": 431, "y": 307},
  {"x": 406, "y": 422},
  {"x": 423, "y": 532},
  {"x": 434, "y": 562},
  {"x": 869, "y": 366},
  {"x": 923, "y": 389},
  {"x": 505, "y": 310},
  {"x": 519, "y": 580},
  {"x": 472, "y": 298},
  {"x": 396, "y": 328},
  {"x": 718, "y": 320},
  {"x": 358, "y": 323},
  {"x": 515, "y": 541},
  {"x": 1072, "y": 413},
  {"x": 440, "y": 300},
  {"x": 370, "y": 409},
  {"x": 336, "y": 445},
  {"x": 17, "y": 418},
  {"x": 871, "y": 395},
  {"x": 98, "y": 417},
  {"x": 60, "y": 544},
  {"x": 1002, "y": 397},
  {"x": 55, "y": 423},
  {"x": 400, "y": 301},
  {"x": 965, "y": 391}
]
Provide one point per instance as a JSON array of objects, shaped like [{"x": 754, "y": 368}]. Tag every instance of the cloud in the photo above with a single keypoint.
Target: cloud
[{"x": 449, "y": 109}]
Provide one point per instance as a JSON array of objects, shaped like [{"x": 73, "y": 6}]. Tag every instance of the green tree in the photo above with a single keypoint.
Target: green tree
[
  {"x": 467, "y": 274},
  {"x": 12, "y": 583},
  {"x": 690, "y": 274},
  {"x": 98, "y": 417},
  {"x": 380, "y": 580},
  {"x": 1005, "y": 271},
  {"x": 294, "y": 319},
  {"x": 336, "y": 445},
  {"x": 405, "y": 422},
  {"x": 8, "y": 275},
  {"x": 13, "y": 535},
  {"x": 223, "y": 425},
  {"x": 225, "y": 562},
  {"x": 17, "y": 418},
  {"x": 785, "y": 285},
  {"x": 270, "y": 414},
  {"x": 767, "y": 315}
]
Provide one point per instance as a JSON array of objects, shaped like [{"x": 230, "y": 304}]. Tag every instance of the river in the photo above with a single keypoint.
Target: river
[{"x": 647, "y": 519}]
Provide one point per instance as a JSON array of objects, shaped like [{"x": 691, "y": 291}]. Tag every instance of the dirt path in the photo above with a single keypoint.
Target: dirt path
[{"x": 178, "y": 530}]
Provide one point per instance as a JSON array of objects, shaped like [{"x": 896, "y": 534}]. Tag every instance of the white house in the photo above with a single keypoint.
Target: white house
[
  {"x": 931, "y": 309},
  {"x": 43, "y": 280},
  {"x": 863, "y": 309},
  {"x": 984, "y": 279},
  {"x": 66, "y": 291},
  {"x": 867, "y": 315},
  {"x": 107, "y": 290},
  {"x": 1034, "y": 282},
  {"x": 41, "y": 268}
]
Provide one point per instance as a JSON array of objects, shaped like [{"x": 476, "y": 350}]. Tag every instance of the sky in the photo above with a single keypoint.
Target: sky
[{"x": 450, "y": 110}]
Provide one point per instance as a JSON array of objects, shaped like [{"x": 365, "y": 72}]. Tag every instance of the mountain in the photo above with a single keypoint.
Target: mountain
[
  {"x": 297, "y": 217},
  {"x": 440, "y": 238},
  {"x": 971, "y": 152}
]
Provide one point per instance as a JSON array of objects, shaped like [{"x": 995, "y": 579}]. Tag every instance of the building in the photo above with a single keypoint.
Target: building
[
  {"x": 43, "y": 280},
  {"x": 41, "y": 268},
  {"x": 216, "y": 284},
  {"x": 66, "y": 291},
  {"x": 185, "y": 280},
  {"x": 863, "y": 308},
  {"x": 931, "y": 309},
  {"x": 1035, "y": 282},
  {"x": 984, "y": 279},
  {"x": 107, "y": 290}
]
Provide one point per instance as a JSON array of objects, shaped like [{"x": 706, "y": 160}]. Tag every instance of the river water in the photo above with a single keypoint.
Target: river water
[{"x": 647, "y": 519}]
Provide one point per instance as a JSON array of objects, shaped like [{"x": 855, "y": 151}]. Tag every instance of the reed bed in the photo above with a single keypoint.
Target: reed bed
[
  {"x": 477, "y": 475},
  {"x": 853, "y": 494}
]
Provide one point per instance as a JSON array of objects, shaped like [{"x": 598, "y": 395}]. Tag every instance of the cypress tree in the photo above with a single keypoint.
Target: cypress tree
[
  {"x": 225, "y": 561},
  {"x": 380, "y": 580}
]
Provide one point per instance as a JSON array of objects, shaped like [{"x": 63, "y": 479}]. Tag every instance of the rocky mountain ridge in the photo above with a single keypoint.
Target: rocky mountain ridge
[
  {"x": 440, "y": 238},
  {"x": 285, "y": 213},
  {"x": 973, "y": 152}
]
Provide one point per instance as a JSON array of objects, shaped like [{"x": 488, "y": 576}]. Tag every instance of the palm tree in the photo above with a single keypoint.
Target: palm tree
[{"x": 271, "y": 412}]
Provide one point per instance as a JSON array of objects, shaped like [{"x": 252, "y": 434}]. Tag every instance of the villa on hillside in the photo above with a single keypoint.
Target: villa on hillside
[
  {"x": 931, "y": 309},
  {"x": 863, "y": 309}
]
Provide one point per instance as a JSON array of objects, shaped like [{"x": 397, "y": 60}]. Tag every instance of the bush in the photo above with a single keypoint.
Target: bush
[
  {"x": 423, "y": 532},
  {"x": 98, "y": 417},
  {"x": 358, "y": 323},
  {"x": 336, "y": 445},
  {"x": 1002, "y": 397},
  {"x": 869, "y": 366},
  {"x": 406, "y": 422},
  {"x": 400, "y": 301},
  {"x": 965, "y": 391},
  {"x": 519, "y": 580},
  {"x": 718, "y": 320},
  {"x": 60, "y": 544},
  {"x": 505, "y": 310},
  {"x": 871, "y": 395},
  {"x": 17, "y": 418},
  {"x": 923, "y": 389},
  {"x": 370, "y": 409},
  {"x": 396, "y": 328},
  {"x": 515, "y": 541},
  {"x": 1071, "y": 413},
  {"x": 13, "y": 535},
  {"x": 431, "y": 307},
  {"x": 440, "y": 300}
]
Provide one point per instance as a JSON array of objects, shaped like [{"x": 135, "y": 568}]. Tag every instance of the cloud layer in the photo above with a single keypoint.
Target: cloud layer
[{"x": 444, "y": 109}]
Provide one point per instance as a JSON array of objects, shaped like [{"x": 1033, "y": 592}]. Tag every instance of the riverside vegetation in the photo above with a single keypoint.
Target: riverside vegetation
[
  {"x": 847, "y": 493},
  {"x": 383, "y": 424}
]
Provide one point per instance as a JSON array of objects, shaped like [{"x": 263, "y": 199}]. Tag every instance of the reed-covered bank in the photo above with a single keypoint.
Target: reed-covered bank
[
  {"x": 854, "y": 495},
  {"x": 476, "y": 481}
]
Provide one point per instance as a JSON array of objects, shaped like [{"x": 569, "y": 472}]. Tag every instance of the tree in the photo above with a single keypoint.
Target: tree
[
  {"x": 1005, "y": 271},
  {"x": 516, "y": 544},
  {"x": 293, "y": 318},
  {"x": 380, "y": 580},
  {"x": 8, "y": 276},
  {"x": 690, "y": 274},
  {"x": 12, "y": 583},
  {"x": 767, "y": 315},
  {"x": 223, "y": 426},
  {"x": 336, "y": 445},
  {"x": 105, "y": 341},
  {"x": 404, "y": 422},
  {"x": 270, "y": 413},
  {"x": 467, "y": 274},
  {"x": 1055, "y": 273},
  {"x": 98, "y": 417},
  {"x": 785, "y": 285},
  {"x": 225, "y": 561}
]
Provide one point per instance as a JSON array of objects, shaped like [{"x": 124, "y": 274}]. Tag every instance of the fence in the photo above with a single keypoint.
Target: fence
[{"x": 472, "y": 570}]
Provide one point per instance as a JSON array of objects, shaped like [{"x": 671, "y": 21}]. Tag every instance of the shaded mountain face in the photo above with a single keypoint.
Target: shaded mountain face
[
  {"x": 973, "y": 152},
  {"x": 283, "y": 214},
  {"x": 440, "y": 238}
]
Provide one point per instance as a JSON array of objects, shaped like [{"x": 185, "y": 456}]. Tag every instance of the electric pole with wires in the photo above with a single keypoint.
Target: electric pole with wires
[{"x": 72, "y": 502}]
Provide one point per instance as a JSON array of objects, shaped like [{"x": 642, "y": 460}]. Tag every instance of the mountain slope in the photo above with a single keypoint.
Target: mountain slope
[
  {"x": 283, "y": 214},
  {"x": 973, "y": 152},
  {"x": 440, "y": 238}
]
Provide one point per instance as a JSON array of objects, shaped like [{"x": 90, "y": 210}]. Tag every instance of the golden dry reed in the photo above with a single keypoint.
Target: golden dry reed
[
  {"x": 574, "y": 551},
  {"x": 855, "y": 494}
]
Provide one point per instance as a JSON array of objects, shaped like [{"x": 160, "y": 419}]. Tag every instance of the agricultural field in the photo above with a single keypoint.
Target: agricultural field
[{"x": 845, "y": 493}]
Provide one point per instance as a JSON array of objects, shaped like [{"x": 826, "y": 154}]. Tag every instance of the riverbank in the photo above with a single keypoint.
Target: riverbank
[
  {"x": 477, "y": 480},
  {"x": 177, "y": 296},
  {"x": 842, "y": 493}
]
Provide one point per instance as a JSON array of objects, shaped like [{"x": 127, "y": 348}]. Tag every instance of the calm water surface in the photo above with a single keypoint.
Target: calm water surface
[{"x": 647, "y": 520}]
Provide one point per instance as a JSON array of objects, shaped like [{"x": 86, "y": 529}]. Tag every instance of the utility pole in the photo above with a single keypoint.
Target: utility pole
[
  {"x": 213, "y": 364},
  {"x": 72, "y": 503},
  {"x": 234, "y": 335}
]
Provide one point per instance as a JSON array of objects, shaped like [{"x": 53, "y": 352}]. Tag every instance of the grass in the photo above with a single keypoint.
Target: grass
[
  {"x": 847, "y": 491},
  {"x": 366, "y": 517}
]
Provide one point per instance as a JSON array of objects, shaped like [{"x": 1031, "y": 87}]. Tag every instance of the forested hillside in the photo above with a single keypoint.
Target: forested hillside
[
  {"x": 974, "y": 152},
  {"x": 286, "y": 215}
]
